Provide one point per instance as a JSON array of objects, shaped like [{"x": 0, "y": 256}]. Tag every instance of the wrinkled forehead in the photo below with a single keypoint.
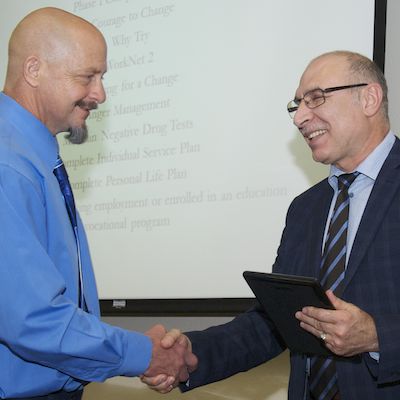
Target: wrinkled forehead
[{"x": 324, "y": 72}]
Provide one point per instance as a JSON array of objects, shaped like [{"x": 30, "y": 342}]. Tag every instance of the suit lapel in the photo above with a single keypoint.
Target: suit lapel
[
  {"x": 319, "y": 216},
  {"x": 385, "y": 187}
]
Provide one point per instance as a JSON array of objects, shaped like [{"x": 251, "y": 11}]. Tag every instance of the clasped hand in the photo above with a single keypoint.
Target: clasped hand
[
  {"x": 347, "y": 330},
  {"x": 172, "y": 359}
]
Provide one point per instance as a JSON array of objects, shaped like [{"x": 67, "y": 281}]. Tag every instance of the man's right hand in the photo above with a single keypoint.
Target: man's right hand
[{"x": 173, "y": 359}]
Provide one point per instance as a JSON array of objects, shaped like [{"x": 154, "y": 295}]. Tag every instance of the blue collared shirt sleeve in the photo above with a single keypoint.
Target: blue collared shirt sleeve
[{"x": 45, "y": 339}]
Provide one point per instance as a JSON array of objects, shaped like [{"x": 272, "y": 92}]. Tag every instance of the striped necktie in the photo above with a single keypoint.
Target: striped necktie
[
  {"x": 66, "y": 190},
  {"x": 323, "y": 377}
]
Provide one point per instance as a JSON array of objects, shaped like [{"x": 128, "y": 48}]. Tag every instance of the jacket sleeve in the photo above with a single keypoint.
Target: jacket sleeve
[{"x": 241, "y": 344}]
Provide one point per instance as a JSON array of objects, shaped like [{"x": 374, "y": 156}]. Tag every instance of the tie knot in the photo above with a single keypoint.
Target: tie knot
[{"x": 345, "y": 180}]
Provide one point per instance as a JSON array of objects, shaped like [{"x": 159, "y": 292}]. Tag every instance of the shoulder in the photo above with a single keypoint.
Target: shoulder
[
  {"x": 18, "y": 162},
  {"x": 313, "y": 195}
]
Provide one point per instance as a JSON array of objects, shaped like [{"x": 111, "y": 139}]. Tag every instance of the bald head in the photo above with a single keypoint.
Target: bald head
[
  {"x": 50, "y": 34},
  {"x": 360, "y": 69},
  {"x": 55, "y": 69},
  {"x": 341, "y": 108}
]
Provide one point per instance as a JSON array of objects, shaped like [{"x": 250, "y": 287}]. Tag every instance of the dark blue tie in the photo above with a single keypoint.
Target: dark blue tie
[
  {"x": 66, "y": 190},
  {"x": 323, "y": 377},
  {"x": 61, "y": 174}
]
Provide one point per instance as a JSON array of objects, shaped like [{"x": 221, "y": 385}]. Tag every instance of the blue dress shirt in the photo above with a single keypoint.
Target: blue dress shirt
[
  {"x": 47, "y": 343},
  {"x": 361, "y": 188}
]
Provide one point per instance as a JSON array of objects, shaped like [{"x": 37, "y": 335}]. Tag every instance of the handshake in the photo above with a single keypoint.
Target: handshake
[{"x": 172, "y": 359}]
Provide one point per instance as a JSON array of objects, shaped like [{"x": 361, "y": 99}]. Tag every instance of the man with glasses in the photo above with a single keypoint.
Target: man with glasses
[{"x": 341, "y": 110}]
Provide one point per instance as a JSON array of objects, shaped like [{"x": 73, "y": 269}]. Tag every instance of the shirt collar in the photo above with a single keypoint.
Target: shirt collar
[
  {"x": 35, "y": 133},
  {"x": 371, "y": 166}
]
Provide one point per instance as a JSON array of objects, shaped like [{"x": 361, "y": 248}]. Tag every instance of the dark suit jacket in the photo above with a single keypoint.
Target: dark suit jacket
[{"x": 372, "y": 283}]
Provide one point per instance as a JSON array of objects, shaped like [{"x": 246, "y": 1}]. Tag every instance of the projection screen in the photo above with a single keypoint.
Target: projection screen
[{"x": 192, "y": 161}]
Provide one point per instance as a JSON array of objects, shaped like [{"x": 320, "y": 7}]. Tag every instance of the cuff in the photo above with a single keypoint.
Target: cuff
[{"x": 137, "y": 356}]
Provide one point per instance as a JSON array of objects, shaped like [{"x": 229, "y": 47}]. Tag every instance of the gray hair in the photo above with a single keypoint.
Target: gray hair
[{"x": 366, "y": 70}]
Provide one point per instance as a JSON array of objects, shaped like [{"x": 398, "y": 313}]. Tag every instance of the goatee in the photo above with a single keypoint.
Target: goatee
[{"x": 78, "y": 135}]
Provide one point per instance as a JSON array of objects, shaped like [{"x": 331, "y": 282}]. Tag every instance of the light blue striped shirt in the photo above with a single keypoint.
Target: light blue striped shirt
[{"x": 361, "y": 188}]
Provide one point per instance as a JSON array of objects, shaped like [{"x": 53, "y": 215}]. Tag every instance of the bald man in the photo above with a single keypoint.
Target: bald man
[
  {"x": 52, "y": 341},
  {"x": 341, "y": 110}
]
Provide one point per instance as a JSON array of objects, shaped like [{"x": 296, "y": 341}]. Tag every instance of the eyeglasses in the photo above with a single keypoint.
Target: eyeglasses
[{"x": 316, "y": 97}]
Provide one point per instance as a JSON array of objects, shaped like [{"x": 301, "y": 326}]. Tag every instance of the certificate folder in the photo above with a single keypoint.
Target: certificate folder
[{"x": 282, "y": 296}]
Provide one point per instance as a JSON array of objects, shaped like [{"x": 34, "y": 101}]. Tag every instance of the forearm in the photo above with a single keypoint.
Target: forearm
[
  {"x": 63, "y": 337},
  {"x": 237, "y": 346},
  {"x": 40, "y": 320}
]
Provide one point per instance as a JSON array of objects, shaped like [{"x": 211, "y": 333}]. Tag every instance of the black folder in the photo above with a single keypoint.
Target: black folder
[{"x": 282, "y": 296}]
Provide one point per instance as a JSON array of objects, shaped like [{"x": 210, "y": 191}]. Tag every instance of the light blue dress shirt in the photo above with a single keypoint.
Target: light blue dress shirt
[
  {"x": 361, "y": 188},
  {"x": 360, "y": 191},
  {"x": 47, "y": 343}
]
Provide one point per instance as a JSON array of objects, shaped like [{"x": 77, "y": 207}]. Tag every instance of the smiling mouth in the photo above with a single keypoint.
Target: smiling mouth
[{"x": 314, "y": 134}]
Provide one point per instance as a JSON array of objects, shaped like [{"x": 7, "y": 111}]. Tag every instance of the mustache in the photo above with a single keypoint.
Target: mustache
[{"x": 88, "y": 105}]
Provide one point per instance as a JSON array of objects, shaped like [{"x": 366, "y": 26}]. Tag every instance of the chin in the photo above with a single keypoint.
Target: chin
[
  {"x": 320, "y": 158},
  {"x": 78, "y": 135}
]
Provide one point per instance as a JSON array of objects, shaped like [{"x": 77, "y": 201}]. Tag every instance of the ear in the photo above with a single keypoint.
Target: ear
[
  {"x": 31, "y": 70},
  {"x": 372, "y": 99}
]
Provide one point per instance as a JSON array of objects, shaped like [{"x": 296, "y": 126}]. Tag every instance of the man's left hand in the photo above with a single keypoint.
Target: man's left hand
[{"x": 346, "y": 331}]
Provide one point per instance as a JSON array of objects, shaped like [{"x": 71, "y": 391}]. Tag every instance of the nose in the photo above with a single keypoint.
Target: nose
[
  {"x": 98, "y": 93},
  {"x": 303, "y": 115}
]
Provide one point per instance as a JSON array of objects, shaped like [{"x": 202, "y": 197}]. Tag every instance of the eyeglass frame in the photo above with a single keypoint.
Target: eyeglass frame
[{"x": 292, "y": 109}]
